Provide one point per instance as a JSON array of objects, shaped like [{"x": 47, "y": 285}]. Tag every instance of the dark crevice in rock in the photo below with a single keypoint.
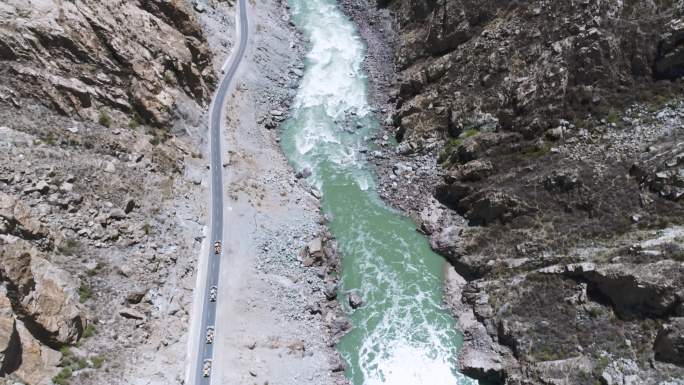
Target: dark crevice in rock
[
  {"x": 627, "y": 297},
  {"x": 486, "y": 377},
  {"x": 12, "y": 355}
]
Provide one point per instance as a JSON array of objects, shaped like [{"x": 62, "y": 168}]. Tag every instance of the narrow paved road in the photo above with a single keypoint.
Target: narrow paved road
[{"x": 208, "y": 316}]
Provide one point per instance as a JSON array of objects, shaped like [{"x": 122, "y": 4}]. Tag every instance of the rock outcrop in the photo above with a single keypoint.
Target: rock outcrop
[
  {"x": 44, "y": 296},
  {"x": 550, "y": 135},
  {"x": 669, "y": 344},
  {"x": 520, "y": 66},
  {"x": 84, "y": 57}
]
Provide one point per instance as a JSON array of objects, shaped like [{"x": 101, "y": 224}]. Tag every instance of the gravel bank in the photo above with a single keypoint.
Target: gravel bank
[{"x": 275, "y": 324}]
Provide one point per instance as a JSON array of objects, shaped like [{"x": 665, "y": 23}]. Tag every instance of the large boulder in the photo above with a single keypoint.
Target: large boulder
[
  {"x": 47, "y": 296},
  {"x": 38, "y": 362},
  {"x": 669, "y": 344},
  {"x": 16, "y": 219}
]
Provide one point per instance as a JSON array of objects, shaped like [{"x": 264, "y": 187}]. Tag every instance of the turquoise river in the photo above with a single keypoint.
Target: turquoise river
[{"x": 402, "y": 335}]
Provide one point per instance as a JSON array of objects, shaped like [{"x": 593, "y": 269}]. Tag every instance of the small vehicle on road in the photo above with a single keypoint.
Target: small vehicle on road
[
  {"x": 206, "y": 368},
  {"x": 210, "y": 334},
  {"x": 213, "y": 292},
  {"x": 217, "y": 247}
]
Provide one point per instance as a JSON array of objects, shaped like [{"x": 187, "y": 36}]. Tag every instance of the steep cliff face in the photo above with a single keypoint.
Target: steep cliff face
[
  {"x": 545, "y": 141},
  {"x": 137, "y": 57},
  {"x": 98, "y": 209},
  {"x": 520, "y": 66}
]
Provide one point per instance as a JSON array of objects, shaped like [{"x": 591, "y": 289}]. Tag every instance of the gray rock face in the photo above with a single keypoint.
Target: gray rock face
[
  {"x": 669, "y": 344},
  {"x": 93, "y": 38},
  {"x": 522, "y": 67},
  {"x": 522, "y": 120},
  {"x": 621, "y": 372}
]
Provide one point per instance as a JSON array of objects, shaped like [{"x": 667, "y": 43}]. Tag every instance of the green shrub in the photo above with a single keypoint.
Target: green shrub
[
  {"x": 62, "y": 378},
  {"x": 134, "y": 122},
  {"x": 97, "y": 361},
  {"x": 104, "y": 119},
  {"x": 448, "y": 149},
  {"x": 89, "y": 331},
  {"x": 613, "y": 118},
  {"x": 84, "y": 292},
  {"x": 533, "y": 152},
  {"x": 168, "y": 77},
  {"x": 469, "y": 133}
]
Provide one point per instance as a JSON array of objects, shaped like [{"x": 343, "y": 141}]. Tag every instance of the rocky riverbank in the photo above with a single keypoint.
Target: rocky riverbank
[{"x": 565, "y": 187}]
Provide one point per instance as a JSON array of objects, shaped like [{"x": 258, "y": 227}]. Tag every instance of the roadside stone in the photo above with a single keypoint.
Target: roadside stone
[
  {"x": 131, "y": 204},
  {"x": 109, "y": 167},
  {"x": 330, "y": 291},
  {"x": 42, "y": 187},
  {"x": 117, "y": 214},
  {"x": 131, "y": 314},
  {"x": 135, "y": 297},
  {"x": 67, "y": 187},
  {"x": 10, "y": 346}
]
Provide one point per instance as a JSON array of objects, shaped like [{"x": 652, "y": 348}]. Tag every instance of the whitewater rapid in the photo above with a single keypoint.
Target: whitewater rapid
[{"x": 402, "y": 334}]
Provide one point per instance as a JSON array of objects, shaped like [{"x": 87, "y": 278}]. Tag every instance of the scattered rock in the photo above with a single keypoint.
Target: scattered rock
[
  {"x": 303, "y": 174},
  {"x": 131, "y": 204},
  {"x": 315, "y": 248},
  {"x": 131, "y": 314},
  {"x": 109, "y": 167},
  {"x": 117, "y": 214},
  {"x": 355, "y": 300},
  {"x": 135, "y": 297}
]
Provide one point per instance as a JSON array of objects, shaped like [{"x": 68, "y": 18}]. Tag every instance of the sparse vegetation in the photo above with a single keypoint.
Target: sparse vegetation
[
  {"x": 89, "y": 331},
  {"x": 104, "y": 119},
  {"x": 469, "y": 133},
  {"x": 69, "y": 247},
  {"x": 168, "y": 77},
  {"x": 134, "y": 122},
  {"x": 62, "y": 378},
  {"x": 448, "y": 149},
  {"x": 93, "y": 272},
  {"x": 536, "y": 151},
  {"x": 98, "y": 361},
  {"x": 84, "y": 292},
  {"x": 613, "y": 118}
]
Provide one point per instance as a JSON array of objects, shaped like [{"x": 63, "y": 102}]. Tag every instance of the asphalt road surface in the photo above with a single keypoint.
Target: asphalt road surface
[{"x": 208, "y": 313}]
